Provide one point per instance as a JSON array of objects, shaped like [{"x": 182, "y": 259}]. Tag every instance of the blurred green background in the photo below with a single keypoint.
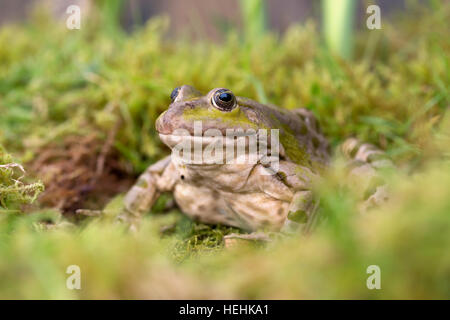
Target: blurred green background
[{"x": 78, "y": 109}]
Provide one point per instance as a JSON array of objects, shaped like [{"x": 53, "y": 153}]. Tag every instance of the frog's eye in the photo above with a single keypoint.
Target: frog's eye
[
  {"x": 224, "y": 99},
  {"x": 174, "y": 94}
]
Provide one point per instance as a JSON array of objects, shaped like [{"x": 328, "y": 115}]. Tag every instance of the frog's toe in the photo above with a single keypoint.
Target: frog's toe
[
  {"x": 89, "y": 213},
  {"x": 297, "y": 216},
  {"x": 291, "y": 227},
  {"x": 302, "y": 212},
  {"x": 128, "y": 219},
  {"x": 378, "y": 198},
  {"x": 235, "y": 239}
]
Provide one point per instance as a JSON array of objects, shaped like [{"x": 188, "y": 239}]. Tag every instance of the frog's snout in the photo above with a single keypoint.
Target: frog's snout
[
  {"x": 162, "y": 125},
  {"x": 168, "y": 121}
]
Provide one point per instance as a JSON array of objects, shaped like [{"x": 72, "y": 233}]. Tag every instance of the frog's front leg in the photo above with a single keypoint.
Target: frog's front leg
[
  {"x": 301, "y": 218},
  {"x": 290, "y": 184},
  {"x": 303, "y": 205},
  {"x": 301, "y": 213},
  {"x": 159, "y": 177}
]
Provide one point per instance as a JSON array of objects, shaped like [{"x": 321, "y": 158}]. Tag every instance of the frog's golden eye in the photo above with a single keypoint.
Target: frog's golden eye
[
  {"x": 224, "y": 99},
  {"x": 174, "y": 94}
]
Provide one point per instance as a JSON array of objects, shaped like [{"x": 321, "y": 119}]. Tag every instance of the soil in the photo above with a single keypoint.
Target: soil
[{"x": 82, "y": 172}]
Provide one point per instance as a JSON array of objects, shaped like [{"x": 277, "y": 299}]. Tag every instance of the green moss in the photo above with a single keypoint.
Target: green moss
[{"x": 13, "y": 191}]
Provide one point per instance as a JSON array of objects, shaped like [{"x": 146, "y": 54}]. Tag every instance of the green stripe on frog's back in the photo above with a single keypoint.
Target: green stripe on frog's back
[{"x": 294, "y": 150}]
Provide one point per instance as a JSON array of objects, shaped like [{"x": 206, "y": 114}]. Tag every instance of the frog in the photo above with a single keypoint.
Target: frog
[{"x": 252, "y": 196}]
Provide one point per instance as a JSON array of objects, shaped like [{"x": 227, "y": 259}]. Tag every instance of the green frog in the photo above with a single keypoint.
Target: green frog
[{"x": 257, "y": 196}]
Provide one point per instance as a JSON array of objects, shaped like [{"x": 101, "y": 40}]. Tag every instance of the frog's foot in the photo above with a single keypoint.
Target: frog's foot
[
  {"x": 129, "y": 219},
  {"x": 234, "y": 239},
  {"x": 378, "y": 198},
  {"x": 159, "y": 177},
  {"x": 365, "y": 164},
  {"x": 61, "y": 225},
  {"x": 302, "y": 214},
  {"x": 89, "y": 213}
]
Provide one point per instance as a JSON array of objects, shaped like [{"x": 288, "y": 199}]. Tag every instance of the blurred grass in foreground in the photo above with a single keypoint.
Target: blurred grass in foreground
[{"x": 55, "y": 83}]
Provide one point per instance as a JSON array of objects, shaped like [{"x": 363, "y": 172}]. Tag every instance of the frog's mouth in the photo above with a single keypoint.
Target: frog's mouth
[
  {"x": 187, "y": 141},
  {"x": 244, "y": 147}
]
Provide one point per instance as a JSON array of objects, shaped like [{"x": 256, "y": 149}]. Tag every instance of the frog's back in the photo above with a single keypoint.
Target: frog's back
[{"x": 300, "y": 132}]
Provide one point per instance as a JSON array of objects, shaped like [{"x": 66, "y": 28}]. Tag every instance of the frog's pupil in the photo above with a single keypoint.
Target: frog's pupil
[
  {"x": 174, "y": 94},
  {"x": 224, "y": 100},
  {"x": 226, "y": 97}
]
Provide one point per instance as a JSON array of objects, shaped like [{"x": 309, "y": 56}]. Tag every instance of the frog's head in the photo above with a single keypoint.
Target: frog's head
[{"x": 220, "y": 110}]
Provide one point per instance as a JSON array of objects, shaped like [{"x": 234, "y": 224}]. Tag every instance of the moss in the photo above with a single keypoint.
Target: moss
[{"x": 13, "y": 191}]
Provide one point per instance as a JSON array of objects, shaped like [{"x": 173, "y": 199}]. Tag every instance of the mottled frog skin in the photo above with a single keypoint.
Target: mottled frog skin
[{"x": 247, "y": 196}]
